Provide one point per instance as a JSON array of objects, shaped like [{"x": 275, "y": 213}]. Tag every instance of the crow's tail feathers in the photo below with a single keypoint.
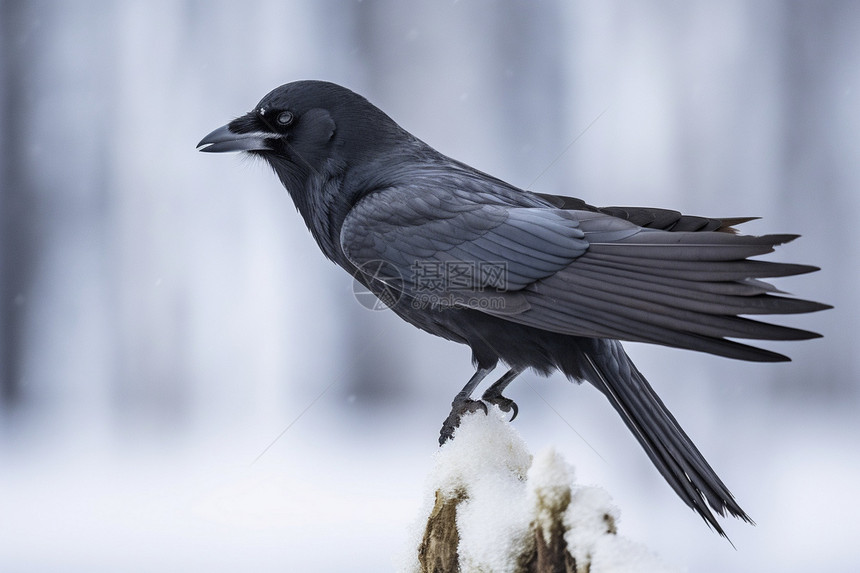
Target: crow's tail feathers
[{"x": 608, "y": 368}]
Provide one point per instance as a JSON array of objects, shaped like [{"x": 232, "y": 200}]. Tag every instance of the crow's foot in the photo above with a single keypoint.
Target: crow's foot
[
  {"x": 494, "y": 397},
  {"x": 461, "y": 406}
]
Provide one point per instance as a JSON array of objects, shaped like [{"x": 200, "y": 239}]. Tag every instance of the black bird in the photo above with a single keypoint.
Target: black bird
[{"x": 532, "y": 280}]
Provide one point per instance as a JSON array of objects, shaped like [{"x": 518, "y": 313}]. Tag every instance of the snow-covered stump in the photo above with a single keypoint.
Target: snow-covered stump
[{"x": 493, "y": 507}]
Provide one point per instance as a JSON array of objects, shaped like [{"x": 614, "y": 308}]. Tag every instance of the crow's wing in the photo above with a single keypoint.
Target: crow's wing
[
  {"x": 587, "y": 273},
  {"x": 682, "y": 289},
  {"x": 414, "y": 229},
  {"x": 651, "y": 217}
]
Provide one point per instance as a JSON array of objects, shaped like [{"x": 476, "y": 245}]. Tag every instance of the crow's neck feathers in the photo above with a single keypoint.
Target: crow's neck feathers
[{"x": 325, "y": 191}]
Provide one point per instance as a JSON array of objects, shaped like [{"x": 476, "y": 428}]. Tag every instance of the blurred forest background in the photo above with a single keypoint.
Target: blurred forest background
[{"x": 185, "y": 382}]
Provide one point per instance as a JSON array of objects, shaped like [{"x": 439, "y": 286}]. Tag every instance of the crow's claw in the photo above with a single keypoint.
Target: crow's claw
[
  {"x": 459, "y": 407},
  {"x": 504, "y": 404}
]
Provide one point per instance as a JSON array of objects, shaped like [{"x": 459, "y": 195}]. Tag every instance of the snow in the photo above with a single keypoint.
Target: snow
[
  {"x": 586, "y": 520},
  {"x": 549, "y": 479},
  {"x": 508, "y": 493}
]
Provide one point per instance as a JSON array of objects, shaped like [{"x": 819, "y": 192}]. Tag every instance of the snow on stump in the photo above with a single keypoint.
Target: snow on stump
[{"x": 492, "y": 507}]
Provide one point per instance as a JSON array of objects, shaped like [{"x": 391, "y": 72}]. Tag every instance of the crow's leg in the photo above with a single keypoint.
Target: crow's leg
[
  {"x": 493, "y": 395},
  {"x": 463, "y": 404}
]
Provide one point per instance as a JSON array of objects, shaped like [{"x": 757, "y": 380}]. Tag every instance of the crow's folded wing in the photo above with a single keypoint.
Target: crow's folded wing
[
  {"x": 682, "y": 289},
  {"x": 651, "y": 217},
  {"x": 587, "y": 273},
  {"x": 413, "y": 229}
]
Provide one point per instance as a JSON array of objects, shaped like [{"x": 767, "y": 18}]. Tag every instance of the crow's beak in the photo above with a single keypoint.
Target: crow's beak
[{"x": 223, "y": 139}]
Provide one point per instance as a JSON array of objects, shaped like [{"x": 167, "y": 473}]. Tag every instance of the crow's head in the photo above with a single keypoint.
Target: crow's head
[
  {"x": 327, "y": 145},
  {"x": 306, "y": 128}
]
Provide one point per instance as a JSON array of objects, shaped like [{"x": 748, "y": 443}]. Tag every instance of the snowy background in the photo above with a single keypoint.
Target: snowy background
[{"x": 185, "y": 382}]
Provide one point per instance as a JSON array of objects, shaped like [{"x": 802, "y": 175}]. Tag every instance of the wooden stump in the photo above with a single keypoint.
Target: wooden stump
[
  {"x": 547, "y": 553},
  {"x": 493, "y": 507}
]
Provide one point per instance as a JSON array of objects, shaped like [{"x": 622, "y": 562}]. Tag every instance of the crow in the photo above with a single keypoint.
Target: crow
[{"x": 529, "y": 279}]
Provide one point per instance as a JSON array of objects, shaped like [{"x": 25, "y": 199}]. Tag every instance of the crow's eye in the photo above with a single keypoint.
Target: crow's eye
[{"x": 285, "y": 118}]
